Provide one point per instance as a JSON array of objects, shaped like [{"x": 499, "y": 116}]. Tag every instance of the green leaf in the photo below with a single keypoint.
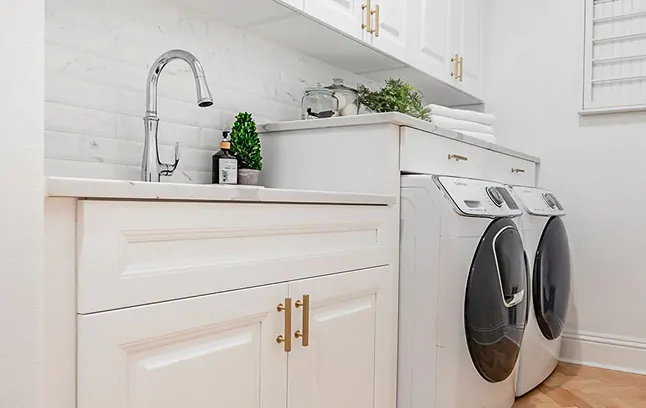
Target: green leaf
[
  {"x": 245, "y": 142},
  {"x": 395, "y": 96}
]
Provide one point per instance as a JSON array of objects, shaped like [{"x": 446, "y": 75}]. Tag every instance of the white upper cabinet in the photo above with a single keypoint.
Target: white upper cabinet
[
  {"x": 297, "y": 4},
  {"x": 390, "y": 27},
  {"x": 344, "y": 15},
  {"x": 211, "y": 351},
  {"x": 430, "y": 23},
  {"x": 348, "y": 360},
  {"x": 471, "y": 74}
]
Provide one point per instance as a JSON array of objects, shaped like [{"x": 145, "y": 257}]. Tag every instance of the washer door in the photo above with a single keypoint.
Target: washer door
[
  {"x": 551, "y": 282},
  {"x": 496, "y": 301}
]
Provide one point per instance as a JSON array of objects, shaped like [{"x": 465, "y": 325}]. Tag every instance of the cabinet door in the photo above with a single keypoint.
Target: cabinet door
[
  {"x": 211, "y": 351},
  {"x": 393, "y": 33},
  {"x": 471, "y": 47},
  {"x": 344, "y": 15},
  {"x": 351, "y": 357},
  {"x": 431, "y": 43}
]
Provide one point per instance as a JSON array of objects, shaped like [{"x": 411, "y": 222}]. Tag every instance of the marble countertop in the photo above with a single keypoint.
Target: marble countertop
[
  {"x": 137, "y": 190},
  {"x": 397, "y": 119}
]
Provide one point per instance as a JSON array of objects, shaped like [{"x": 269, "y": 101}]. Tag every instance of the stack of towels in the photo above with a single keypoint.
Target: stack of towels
[{"x": 476, "y": 124}]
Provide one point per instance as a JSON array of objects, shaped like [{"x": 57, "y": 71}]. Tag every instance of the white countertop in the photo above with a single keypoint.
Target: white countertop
[
  {"x": 397, "y": 119},
  {"x": 137, "y": 190}
]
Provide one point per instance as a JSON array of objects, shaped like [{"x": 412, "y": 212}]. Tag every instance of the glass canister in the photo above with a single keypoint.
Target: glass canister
[
  {"x": 348, "y": 97},
  {"x": 319, "y": 103}
]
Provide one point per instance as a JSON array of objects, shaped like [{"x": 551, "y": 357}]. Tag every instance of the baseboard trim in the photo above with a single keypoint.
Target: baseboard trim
[{"x": 605, "y": 351}]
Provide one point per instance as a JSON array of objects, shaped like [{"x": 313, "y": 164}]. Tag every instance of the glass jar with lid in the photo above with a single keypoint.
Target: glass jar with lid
[
  {"x": 348, "y": 97},
  {"x": 319, "y": 103}
]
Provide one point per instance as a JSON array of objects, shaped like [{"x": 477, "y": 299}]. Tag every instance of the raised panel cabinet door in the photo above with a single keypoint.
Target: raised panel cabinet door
[
  {"x": 350, "y": 358},
  {"x": 392, "y": 27},
  {"x": 204, "y": 352},
  {"x": 471, "y": 48},
  {"x": 431, "y": 43},
  {"x": 344, "y": 15}
]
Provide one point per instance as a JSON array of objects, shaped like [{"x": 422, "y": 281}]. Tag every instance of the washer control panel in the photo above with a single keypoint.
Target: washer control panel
[
  {"x": 537, "y": 201},
  {"x": 478, "y": 198}
]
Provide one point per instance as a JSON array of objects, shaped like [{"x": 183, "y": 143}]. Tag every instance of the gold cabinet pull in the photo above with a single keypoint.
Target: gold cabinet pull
[
  {"x": 305, "y": 335},
  {"x": 461, "y": 68},
  {"x": 376, "y": 26},
  {"x": 457, "y": 157},
  {"x": 517, "y": 170},
  {"x": 455, "y": 60},
  {"x": 287, "y": 338},
  {"x": 367, "y": 26}
]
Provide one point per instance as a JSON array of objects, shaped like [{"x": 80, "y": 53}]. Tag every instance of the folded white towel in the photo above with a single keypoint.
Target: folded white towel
[
  {"x": 487, "y": 137},
  {"x": 456, "y": 124},
  {"x": 461, "y": 114}
]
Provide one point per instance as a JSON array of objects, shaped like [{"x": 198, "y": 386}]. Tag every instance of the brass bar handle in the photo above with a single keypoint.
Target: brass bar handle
[
  {"x": 367, "y": 26},
  {"x": 517, "y": 170},
  {"x": 457, "y": 157},
  {"x": 461, "y": 68},
  {"x": 305, "y": 335},
  {"x": 287, "y": 338},
  {"x": 456, "y": 62},
  {"x": 376, "y": 26}
]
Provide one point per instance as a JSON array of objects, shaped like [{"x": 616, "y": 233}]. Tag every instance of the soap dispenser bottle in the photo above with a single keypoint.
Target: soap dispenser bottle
[{"x": 225, "y": 164}]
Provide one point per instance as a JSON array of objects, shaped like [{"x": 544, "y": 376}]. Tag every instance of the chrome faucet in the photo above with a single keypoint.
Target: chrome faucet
[{"x": 152, "y": 168}]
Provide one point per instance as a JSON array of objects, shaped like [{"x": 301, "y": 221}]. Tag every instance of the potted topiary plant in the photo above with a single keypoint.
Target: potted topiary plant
[{"x": 245, "y": 145}]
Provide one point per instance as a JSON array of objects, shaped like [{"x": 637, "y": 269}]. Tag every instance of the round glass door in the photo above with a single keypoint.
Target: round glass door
[
  {"x": 496, "y": 301},
  {"x": 551, "y": 281}
]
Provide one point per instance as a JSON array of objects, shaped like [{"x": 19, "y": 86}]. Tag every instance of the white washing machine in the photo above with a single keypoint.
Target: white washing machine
[
  {"x": 463, "y": 294},
  {"x": 548, "y": 249}
]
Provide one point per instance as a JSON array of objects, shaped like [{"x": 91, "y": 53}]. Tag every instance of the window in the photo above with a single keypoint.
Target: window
[{"x": 615, "y": 55}]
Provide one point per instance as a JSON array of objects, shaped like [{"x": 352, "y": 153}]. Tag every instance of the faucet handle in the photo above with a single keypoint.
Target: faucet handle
[{"x": 169, "y": 169}]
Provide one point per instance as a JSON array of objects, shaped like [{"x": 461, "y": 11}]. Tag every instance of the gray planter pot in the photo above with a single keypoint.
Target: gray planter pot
[{"x": 248, "y": 177}]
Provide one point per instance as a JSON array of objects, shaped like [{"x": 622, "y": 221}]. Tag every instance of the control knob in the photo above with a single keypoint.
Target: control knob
[
  {"x": 495, "y": 196},
  {"x": 549, "y": 200}
]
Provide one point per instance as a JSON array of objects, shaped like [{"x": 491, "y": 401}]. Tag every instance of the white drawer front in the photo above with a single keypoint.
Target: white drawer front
[
  {"x": 426, "y": 153},
  {"x": 133, "y": 253},
  {"x": 511, "y": 170}
]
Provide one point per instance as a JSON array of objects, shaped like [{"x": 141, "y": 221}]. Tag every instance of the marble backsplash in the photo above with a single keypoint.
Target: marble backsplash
[{"x": 97, "y": 58}]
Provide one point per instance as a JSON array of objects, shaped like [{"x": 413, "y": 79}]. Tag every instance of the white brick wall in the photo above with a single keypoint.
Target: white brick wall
[{"x": 98, "y": 53}]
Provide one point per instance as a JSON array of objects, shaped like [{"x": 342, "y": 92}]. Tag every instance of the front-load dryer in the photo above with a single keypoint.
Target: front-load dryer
[
  {"x": 463, "y": 293},
  {"x": 547, "y": 246}
]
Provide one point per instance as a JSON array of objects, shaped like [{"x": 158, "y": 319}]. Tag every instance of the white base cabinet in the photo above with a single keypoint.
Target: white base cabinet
[
  {"x": 201, "y": 305},
  {"x": 221, "y": 350}
]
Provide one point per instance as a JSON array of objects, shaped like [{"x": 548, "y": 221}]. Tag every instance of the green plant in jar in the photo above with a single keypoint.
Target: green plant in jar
[
  {"x": 395, "y": 96},
  {"x": 245, "y": 142}
]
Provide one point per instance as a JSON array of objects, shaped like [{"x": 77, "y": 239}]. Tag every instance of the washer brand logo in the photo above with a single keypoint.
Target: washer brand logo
[{"x": 460, "y": 183}]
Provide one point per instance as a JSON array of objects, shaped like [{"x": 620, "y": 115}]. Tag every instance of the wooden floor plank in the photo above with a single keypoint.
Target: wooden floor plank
[{"x": 574, "y": 386}]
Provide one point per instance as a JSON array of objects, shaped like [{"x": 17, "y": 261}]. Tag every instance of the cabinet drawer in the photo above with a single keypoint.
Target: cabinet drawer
[
  {"x": 510, "y": 170},
  {"x": 422, "y": 152},
  {"x": 133, "y": 253}
]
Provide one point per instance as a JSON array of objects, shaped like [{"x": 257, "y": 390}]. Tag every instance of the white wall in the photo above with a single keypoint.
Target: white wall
[
  {"x": 596, "y": 165},
  {"x": 21, "y": 203},
  {"x": 98, "y": 56}
]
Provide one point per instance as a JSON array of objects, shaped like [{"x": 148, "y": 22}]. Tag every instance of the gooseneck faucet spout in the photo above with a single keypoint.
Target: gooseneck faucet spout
[{"x": 152, "y": 168}]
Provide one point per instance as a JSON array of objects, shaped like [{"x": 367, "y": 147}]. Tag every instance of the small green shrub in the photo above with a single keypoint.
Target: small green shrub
[
  {"x": 245, "y": 142},
  {"x": 395, "y": 96}
]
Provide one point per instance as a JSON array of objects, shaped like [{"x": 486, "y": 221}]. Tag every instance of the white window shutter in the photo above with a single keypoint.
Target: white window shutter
[{"x": 615, "y": 55}]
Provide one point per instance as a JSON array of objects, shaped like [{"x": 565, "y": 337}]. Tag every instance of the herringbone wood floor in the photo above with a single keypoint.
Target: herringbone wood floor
[{"x": 586, "y": 387}]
